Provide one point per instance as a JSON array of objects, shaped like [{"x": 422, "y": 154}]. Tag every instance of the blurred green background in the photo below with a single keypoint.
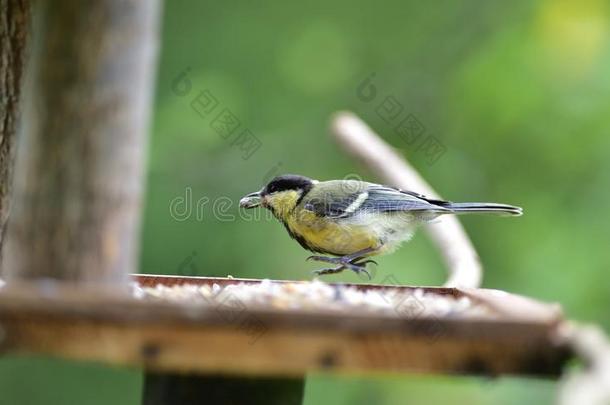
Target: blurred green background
[{"x": 517, "y": 93}]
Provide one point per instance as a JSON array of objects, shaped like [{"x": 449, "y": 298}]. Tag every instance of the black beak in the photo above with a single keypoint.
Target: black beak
[{"x": 252, "y": 200}]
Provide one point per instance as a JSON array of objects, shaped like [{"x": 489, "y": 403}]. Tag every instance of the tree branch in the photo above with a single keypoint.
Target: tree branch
[
  {"x": 14, "y": 34},
  {"x": 590, "y": 385},
  {"x": 447, "y": 233}
]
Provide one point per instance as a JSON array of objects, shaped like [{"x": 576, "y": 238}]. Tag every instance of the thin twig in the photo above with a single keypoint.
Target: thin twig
[
  {"x": 447, "y": 233},
  {"x": 590, "y": 385}
]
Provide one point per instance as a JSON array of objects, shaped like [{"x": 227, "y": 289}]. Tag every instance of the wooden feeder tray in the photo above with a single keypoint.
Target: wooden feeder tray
[{"x": 517, "y": 336}]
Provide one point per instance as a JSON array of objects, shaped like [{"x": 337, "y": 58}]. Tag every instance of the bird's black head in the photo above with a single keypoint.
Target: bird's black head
[
  {"x": 288, "y": 182},
  {"x": 281, "y": 195}
]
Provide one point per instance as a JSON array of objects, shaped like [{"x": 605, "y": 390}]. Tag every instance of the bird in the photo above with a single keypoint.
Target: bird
[{"x": 348, "y": 221}]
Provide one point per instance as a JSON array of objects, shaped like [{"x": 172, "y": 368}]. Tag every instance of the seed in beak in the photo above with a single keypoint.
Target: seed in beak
[{"x": 252, "y": 200}]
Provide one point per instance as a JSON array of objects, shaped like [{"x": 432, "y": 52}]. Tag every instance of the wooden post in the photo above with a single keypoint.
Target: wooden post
[
  {"x": 14, "y": 32},
  {"x": 79, "y": 174},
  {"x": 170, "y": 389}
]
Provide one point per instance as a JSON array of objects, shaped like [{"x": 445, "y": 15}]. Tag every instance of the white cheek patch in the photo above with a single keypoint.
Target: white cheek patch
[{"x": 357, "y": 203}]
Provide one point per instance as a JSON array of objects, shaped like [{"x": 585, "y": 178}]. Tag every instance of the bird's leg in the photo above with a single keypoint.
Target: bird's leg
[
  {"x": 347, "y": 259},
  {"x": 364, "y": 262},
  {"x": 334, "y": 270},
  {"x": 350, "y": 261},
  {"x": 358, "y": 255}
]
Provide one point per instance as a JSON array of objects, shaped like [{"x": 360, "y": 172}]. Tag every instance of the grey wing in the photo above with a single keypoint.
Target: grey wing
[
  {"x": 332, "y": 206},
  {"x": 374, "y": 198},
  {"x": 388, "y": 199}
]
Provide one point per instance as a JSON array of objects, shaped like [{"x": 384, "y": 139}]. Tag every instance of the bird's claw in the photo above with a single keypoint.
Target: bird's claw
[
  {"x": 331, "y": 270},
  {"x": 357, "y": 268},
  {"x": 364, "y": 263},
  {"x": 343, "y": 260}
]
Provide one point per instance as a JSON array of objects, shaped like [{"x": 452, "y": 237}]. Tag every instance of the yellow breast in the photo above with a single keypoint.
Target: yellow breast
[{"x": 328, "y": 236}]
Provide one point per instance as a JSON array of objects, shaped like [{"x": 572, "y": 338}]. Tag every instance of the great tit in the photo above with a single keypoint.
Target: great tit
[{"x": 352, "y": 219}]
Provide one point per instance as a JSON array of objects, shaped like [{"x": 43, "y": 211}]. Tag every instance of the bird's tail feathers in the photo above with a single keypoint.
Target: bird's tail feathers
[{"x": 484, "y": 208}]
